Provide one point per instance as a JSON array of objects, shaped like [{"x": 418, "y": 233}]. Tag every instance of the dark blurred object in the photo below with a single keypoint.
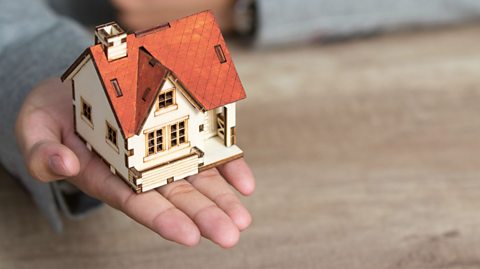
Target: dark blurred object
[
  {"x": 73, "y": 203},
  {"x": 245, "y": 18},
  {"x": 87, "y": 12}
]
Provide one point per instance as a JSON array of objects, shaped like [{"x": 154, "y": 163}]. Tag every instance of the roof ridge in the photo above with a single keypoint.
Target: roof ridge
[{"x": 164, "y": 26}]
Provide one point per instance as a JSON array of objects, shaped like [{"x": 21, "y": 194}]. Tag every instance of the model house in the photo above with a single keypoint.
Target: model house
[{"x": 157, "y": 105}]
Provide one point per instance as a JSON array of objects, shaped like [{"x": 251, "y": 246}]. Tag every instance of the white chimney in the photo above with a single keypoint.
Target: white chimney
[{"x": 113, "y": 39}]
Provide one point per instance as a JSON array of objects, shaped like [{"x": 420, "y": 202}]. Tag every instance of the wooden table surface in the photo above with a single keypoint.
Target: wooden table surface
[{"x": 367, "y": 155}]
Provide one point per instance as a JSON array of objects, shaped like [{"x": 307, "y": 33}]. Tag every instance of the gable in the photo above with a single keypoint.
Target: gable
[{"x": 180, "y": 108}]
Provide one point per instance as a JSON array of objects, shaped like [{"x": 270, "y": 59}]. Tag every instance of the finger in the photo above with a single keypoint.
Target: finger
[
  {"x": 239, "y": 175},
  {"x": 213, "y": 223},
  {"x": 163, "y": 8},
  {"x": 135, "y": 22},
  {"x": 142, "y": 14},
  {"x": 149, "y": 209},
  {"x": 213, "y": 185},
  {"x": 39, "y": 132},
  {"x": 144, "y": 19},
  {"x": 128, "y": 5}
]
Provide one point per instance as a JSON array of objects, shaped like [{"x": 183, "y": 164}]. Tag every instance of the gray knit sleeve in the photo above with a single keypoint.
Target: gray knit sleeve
[{"x": 35, "y": 44}]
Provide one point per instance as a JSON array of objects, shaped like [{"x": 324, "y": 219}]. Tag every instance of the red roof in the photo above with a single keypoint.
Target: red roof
[{"x": 186, "y": 48}]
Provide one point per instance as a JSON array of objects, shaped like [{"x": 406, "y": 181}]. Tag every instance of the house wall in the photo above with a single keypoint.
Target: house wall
[
  {"x": 183, "y": 110},
  {"x": 88, "y": 86}
]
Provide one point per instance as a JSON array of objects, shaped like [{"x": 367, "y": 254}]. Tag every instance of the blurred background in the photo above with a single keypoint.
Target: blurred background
[{"x": 361, "y": 126}]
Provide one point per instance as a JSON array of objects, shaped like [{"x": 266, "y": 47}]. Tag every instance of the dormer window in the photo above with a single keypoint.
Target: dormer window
[
  {"x": 220, "y": 54},
  {"x": 116, "y": 86},
  {"x": 166, "y": 99}
]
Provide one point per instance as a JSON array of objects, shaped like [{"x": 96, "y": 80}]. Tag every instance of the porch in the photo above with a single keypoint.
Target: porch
[{"x": 216, "y": 153}]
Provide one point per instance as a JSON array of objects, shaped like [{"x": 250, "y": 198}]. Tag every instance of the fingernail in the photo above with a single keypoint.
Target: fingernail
[{"x": 56, "y": 165}]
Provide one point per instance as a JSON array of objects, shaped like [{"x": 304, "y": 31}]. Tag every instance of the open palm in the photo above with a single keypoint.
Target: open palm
[{"x": 202, "y": 205}]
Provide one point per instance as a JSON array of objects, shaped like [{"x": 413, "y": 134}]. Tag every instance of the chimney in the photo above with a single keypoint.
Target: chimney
[{"x": 113, "y": 39}]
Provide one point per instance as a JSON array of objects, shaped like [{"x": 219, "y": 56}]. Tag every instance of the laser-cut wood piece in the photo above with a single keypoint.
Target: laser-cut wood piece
[{"x": 161, "y": 104}]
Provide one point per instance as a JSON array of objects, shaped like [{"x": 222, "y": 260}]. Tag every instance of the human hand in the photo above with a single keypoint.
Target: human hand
[
  {"x": 183, "y": 211},
  {"x": 145, "y": 14}
]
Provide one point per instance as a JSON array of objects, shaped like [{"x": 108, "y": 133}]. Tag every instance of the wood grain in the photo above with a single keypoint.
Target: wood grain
[{"x": 366, "y": 154}]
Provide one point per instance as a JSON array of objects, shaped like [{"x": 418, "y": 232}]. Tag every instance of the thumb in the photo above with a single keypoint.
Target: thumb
[
  {"x": 38, "y": 132},
  {"x": 50, "y": 160}
]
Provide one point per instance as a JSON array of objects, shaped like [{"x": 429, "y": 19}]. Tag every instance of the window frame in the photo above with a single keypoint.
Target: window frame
[
  {"x": 220, "y": 53},
  {"x": 88, "y": 120},
  {"x": 177, "y": 134},
  {"x": 155, "y": 142},
  {"x": 116, "y": 87},
  {"x": 163, "y": 93},
  {"x": 109, "y": 127},
  {"x": 166, "y": 139}
]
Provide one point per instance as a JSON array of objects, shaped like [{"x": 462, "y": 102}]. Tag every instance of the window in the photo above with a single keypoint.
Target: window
[
  {"x": 177, "y": 134},
  {"x": 220, "y": 54},
  {"x": 116, "y": 86},
  {"x": 155, "y": 142},
  {"x": 166, "y": 138},
  {"x": 87, "y": 111},
  {"x": 111, "y": 135},
  {"x": 165, "y": 99}
]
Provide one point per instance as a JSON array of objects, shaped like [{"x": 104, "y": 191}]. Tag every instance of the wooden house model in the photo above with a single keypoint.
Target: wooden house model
[{"x": 157, "y": 105}]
